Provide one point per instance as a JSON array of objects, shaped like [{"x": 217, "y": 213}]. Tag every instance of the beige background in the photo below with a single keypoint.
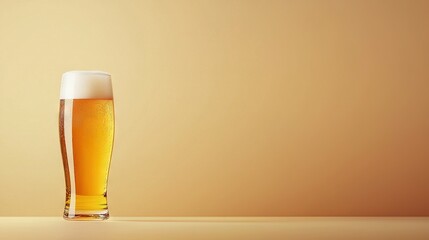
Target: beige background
[{"x": 225, "y": 107}]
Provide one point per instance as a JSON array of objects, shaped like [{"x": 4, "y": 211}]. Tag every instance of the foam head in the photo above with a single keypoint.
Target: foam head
[{"x": 86, "y": 85}]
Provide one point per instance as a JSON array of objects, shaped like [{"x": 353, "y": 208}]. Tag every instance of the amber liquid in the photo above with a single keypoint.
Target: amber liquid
[{"x": 86, "y": 136}]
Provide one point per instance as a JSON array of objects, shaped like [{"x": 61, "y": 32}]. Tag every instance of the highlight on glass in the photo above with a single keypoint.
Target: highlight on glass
[{"x": 87, "y": 126}]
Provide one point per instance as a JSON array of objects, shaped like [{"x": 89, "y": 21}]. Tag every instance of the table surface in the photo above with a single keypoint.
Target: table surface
[{"x": 269, "y": 228}]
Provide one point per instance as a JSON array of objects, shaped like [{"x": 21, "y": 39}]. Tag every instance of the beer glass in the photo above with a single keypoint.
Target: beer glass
[{"x": 86, "y": 124}]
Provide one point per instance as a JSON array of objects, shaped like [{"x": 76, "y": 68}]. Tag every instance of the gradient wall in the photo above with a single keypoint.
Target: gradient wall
[{"x": 225, "y": 107}]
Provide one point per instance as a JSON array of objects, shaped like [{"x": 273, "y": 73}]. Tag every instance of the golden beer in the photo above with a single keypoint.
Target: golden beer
[{"x": 86, "y": 136}]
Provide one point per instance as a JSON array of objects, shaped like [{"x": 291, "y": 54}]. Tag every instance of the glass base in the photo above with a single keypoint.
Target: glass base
[
  {"x": 86, "y": 216},
  {"x": 86, "y": 207}
]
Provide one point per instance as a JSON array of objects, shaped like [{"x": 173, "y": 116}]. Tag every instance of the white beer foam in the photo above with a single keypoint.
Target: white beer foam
[{"x": 86, "y": 85}]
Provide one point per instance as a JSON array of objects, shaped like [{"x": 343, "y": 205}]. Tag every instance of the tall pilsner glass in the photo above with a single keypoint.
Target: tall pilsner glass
[{"x": 87, "y": 126}]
